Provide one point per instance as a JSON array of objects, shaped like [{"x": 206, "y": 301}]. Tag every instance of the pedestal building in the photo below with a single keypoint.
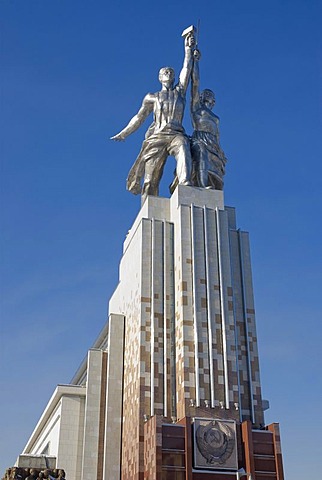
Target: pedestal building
[{"x": 171, "y": 388}]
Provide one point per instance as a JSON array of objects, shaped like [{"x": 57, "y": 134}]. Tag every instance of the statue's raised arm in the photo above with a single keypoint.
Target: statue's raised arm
[
  {"x": 189, "y": 43},
  {"x": 208, "y": 158},
  {"x": 195, "y": 83}
]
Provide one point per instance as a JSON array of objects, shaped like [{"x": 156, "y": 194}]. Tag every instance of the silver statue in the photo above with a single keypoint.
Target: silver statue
[
  {"x": 166, "y": 135},
  {"x": 208, "y": 158}
]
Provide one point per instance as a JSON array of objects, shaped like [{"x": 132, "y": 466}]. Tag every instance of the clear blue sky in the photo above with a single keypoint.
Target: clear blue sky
[{"x": 73, "y": 73}]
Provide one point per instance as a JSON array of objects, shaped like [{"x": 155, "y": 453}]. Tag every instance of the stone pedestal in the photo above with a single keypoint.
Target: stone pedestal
[
  {"x": 171, "y": 388},
  {"x": 190, "y": 344}
]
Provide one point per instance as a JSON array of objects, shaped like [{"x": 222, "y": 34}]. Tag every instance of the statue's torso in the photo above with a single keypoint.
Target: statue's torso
[
  {"x": 205, "y": 120},
  {"x": 168, "y": 110}
]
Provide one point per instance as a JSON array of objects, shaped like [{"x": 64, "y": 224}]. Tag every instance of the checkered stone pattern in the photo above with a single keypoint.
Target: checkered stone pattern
[
  {"x": 205, "y": 319},
  {"x": 227, "y": 309},
  {"x": 248, "y": 359},
  {"x": 251, "y": 330},
  {"x": 153, "y": 449},
  {"x": 169, "y": 381},
  {"x": 185, "y": 339},
  {"x": 157, "y": 320},
  {"x": 214, "y": 306},
  {"x": 185, "y": 279},
  {"x": 146, "y": 293},
  {"x": 133, "y": 299},
  {"x": 200, "y": 300},
  {"x": 132, "y": 394},
  {"x": 161, "y": 281},
  {"x": 216, "y": 349}
]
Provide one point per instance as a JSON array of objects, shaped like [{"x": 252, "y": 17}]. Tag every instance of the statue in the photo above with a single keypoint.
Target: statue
[
  {"x": 166, "y": 135},
  {"x": 208, "y": 158}
]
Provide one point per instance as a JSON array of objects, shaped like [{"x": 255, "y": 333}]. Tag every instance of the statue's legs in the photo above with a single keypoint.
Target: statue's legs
[
  {"x": 200, "y": 159},
  {"x": 208, "y": 167},
  {"x": 153, "y": 155},
  {"x": 215, "y": 181},
  {"x": 179, "y": 148},
  {"x": 203, "y": 172},
  {"x": 153, "y": 173},
  {"x": 215, "y": 172}
]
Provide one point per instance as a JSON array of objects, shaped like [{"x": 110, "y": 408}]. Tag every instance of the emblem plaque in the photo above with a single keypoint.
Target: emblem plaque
[{"x": 215, "y": 445}]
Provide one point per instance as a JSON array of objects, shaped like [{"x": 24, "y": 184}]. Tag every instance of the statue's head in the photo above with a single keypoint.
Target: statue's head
[
  {"x": 207, "y": 98},
  {"x": 166, "y": 76}
]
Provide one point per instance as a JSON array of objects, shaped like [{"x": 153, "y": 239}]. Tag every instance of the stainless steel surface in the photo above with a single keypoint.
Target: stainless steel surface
[
  {"x": 166, "y": 135},
  {"x": 208, "y": 158}
]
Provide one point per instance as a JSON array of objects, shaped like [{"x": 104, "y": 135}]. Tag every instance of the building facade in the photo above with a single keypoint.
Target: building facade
[{"x": 171, "y": 388}]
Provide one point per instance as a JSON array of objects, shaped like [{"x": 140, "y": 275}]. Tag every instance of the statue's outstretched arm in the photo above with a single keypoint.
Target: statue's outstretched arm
[
  {"x": 195, "y": 82},
  {"x": 185, "y": 73},
  {"x": 138, "y": 119}
]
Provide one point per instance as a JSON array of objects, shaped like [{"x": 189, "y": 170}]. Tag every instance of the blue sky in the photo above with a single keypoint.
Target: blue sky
[{"x": 73, "y": 74}]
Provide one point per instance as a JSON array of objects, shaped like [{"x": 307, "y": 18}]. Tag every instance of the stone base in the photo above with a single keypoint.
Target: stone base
[
  {"x": 170, "y": 453},
  {"x": 36, "y": 461}
]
